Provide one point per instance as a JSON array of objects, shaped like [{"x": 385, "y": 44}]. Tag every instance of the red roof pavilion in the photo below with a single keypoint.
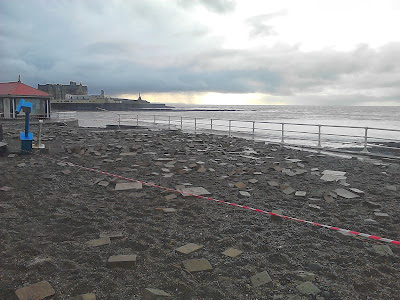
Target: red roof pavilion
[{"x": 20, "y": 89}]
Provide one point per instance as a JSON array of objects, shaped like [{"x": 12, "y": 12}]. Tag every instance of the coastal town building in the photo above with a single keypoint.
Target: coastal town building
[
  {"x": 12, "y": 92},
  {"x": 59, "y": 91}
]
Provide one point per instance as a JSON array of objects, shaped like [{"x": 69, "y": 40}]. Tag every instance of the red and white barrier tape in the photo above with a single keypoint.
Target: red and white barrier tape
[{"x": 373, "y": 237}]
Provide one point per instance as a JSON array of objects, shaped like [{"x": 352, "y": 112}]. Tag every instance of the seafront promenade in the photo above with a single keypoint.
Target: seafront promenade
[{"x": 109, "y": 213}]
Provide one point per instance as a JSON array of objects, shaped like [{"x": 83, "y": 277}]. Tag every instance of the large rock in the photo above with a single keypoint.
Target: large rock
[{"x": 37, "y": 291}]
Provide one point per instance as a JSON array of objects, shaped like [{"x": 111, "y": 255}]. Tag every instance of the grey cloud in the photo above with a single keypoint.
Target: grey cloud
[
  {"x": 217, "y": 6},
  {"x": 257, "y": 25}
]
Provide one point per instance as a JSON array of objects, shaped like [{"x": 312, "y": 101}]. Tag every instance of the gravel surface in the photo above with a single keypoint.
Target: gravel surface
[{"x": 51, "y": 211}]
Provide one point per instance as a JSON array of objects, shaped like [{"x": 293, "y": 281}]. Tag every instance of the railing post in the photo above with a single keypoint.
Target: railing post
[
  {"x": 211, "y": 125},
  {"x": 195, "y": 125},
  {"x": 181, "y": 124},
  {"x": 283, "y": 133},
  {"x": 253, "y": 129},
  {"x": 137, "y": 120},
  {"x": 119, "y": 121},
  {"x": 154, "y": 120},
  {"x": 229, "y": 132},
  {"x": 169, "y": 122},
  {"x": 365, "y": 150},
  {"x": 319, "y": 137}
]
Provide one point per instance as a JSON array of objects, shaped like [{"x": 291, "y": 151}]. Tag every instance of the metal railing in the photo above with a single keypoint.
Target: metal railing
[{"x": 300, "y": 134}]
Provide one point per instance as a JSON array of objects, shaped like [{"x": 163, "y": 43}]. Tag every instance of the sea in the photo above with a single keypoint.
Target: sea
[{"x": 331, "y": 126}]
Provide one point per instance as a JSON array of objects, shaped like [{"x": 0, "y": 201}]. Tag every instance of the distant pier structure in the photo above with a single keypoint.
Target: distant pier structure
[{"x": 59, "y": 91}]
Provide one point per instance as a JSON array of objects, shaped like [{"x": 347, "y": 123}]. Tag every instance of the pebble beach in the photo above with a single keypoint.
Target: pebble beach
[{"x": 69, "y": 231}]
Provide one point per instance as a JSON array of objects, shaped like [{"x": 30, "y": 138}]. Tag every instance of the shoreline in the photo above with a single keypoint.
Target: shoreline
[{"x": 53, "y": 210}]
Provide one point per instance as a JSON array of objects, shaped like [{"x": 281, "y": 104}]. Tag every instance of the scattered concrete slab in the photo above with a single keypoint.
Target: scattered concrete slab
[
  {"x": 123, "y": 186},
  {"x": 272, "y": 183},
  {"x": 308, "y": 288},
  {"x": 314, "y": 207},
  {"x": 99, "y": 242},
  {"x": 189, "y": 248},
  {"x": 122, "y": 261},
  {"x": 277, "y": 212},
  {"x": 346, "y": 194},
  {"x": 304, "y": 276},
  {"x": 391, "y": 187},
  {"x": 66, "y": 171},
  {"x": 170, "y": 197},
  {"x": 232, "y": 252},
  {"x": 357, "y": 191},
  {"x": 88, "y": 296},
  {"x": 260, "y": 279},
  {"x": 244, "y": 194},
  {"x": 253, "y": 180},
  {"x": 370, "y": 222},
  {"x": 197, "y": 265},
  {"x": 381, "y": 215},
  {"x": 240, "y": 185},
  {"x": 113, "y": 235},
  {"x": 169, "y": 210},
  {"x": 103, "y": 183},
  {"x": 300, "y": 194},
  {"x": 330, "y": 175},
  {"x": 37, "y": 291},
  {"x": 289, "y": 191},
  {"x": 155, "y": 294},
  {"x": 383, "y": 250},
  {"x": 6, "y": 188},
  {"x": 200, "y": 191}
]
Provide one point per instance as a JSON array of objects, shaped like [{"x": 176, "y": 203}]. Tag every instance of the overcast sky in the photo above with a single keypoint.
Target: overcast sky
[{"x": 319, "y": 52}]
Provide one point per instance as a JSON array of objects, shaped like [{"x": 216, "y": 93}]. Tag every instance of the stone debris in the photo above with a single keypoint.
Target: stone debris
[
  {"x": 253, "y": 181},
  {"x": 100, "y": 242},
  {"x": 123, "y": 186},
  {"x": 189, "y": 248},
  {"x": 197, "y": 265},
  {"x": 37, "y": 291},
  {"x": 155, "y": 294},
  {"x": 66, "y": 171},
  {"x": 272, "y": 183},
  {"x": 370, "y": 222},
  {"x": 314, "y": 207},
  {"x": 391, "y": 187},
  {"x": 121, "y": 261},
  {"x": 329, "y": 175},
  {"x": 308, "y": 288},
  {"x": 5, "y": 188},
  {"x": 260, "y": 279},
  {"x": 346, "y": 194},
  {"x": 103, "y": 183},
  {"x": 199, "y": 191},
  {"x": 232, "y": 252},
  {"x": 277, "y": 212},
  {"x": 88, "y": 296}
]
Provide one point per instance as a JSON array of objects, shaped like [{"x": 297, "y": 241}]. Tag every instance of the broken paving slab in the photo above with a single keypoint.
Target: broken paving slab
[
  {"x": 253, "y": 180},
  {"x": 277, "y": 212},
  {"x": 381, "y": 215},
  {"x": 155, "y": 294},
  {"x": 88, "y": 296},
  {"x": 197, "y": 191},
  {"x": 122, "y": 261},
  {"x": 5, "y": 188},
  {"x": 272, "y": 183},
  {"x": 40, "y": 290},
  {"x": 288, "y": 191},
  {"x": 170, "y": 197},
  {"x": 112, "y": 235},
  {"x": 346, "y": 194},
  {"x": 189, "y": 248},
  {"x": 304, "y": 275},
  {"x": 260, "y": 279},
  {"x": 383, "y": 250},
  {"x": 197, "y": 265},
  {"x": 123, "y": 186},
  {"x": 357, "y": 191},
  {"x": 300, "y": 194},
  {"x": 244, "y": 194},
  {"x": 308, "y": 288},
  {"x": 232, "y": 252},
  {"x": 240, "y": 185},
  {"x": 99, "y": 242},
  {"x": 330, "y": 175},
  {"x": 169, "y": 210}
]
